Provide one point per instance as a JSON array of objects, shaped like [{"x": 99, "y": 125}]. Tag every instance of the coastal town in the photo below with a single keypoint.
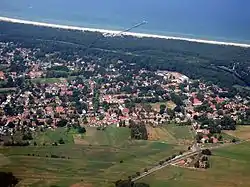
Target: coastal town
[
  {"x": 41, "y": 91},
  {"x": 83, "y": 107}
]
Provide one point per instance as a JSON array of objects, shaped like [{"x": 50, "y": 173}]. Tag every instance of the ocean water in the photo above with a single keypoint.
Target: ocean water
[{"x": 222, "y": 20}]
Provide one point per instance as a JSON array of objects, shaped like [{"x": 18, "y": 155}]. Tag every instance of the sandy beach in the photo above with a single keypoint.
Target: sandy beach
[{"x": 116, "y": 33}]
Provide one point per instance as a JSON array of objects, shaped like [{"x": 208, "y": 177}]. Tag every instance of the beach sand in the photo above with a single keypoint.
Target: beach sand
[{"x": 117, "y": 33}]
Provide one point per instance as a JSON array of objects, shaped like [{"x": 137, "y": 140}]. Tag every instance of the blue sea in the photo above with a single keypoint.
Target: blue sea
[{"x": 222, "y": 20}]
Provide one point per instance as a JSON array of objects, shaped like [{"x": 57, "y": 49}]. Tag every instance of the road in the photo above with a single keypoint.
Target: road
[{"x": 179, "y": 158}]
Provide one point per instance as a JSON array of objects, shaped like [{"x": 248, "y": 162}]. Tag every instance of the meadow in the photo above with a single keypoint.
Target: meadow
[
  {"x": 230, "y": 167},
  {"x": 98, "y": 159}
]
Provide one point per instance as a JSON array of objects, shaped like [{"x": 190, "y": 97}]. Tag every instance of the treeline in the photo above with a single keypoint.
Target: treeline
[
  {"x": 8, "y": 179},
  {"x": 196, "y": 60},
  {"x": 129, "y": 183},
  {"x": 138, "y": 131}
]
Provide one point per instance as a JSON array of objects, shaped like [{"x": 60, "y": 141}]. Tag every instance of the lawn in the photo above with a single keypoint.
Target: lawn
[
  {"x": 7, "y": 90},
  {"x": 230, "y": 167},
  {"x": 48, "y": 80},
  {"x": 242, "y": 132},
  {"x": 105, "y": 157},
  {"x": 156, "y": 106},
  {"x": 52, "y": 80}
]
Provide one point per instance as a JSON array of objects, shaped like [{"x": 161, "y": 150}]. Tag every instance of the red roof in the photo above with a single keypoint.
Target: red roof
[
  {"x": 197, "y": 101},
  {"x": 219, "y": 100},
  {"x": 125, "y": 110},
  {"x": 60, "y": 109},
  {"x": 2, "y": 75}
]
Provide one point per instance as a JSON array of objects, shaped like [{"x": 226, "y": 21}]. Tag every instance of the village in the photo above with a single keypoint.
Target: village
[{"x": 40, "y": 91}]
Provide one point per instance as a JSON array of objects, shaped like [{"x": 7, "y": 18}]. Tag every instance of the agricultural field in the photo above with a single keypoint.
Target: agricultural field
[
  {"x": 180, "y": 133},
  {"x": 170, "y": 133},
  {"x": 99, "y": 159},
  {"x": 242, "y": 132},
  {"x": 230, "y": 167}
]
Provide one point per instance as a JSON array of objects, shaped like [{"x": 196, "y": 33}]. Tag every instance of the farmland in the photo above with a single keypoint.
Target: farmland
[
  {"x": 170, "y": 133},
  {"x": 242, "y": 132},
  {"x": 229, "y": 168},
  {"x": 100, "y": 159}
]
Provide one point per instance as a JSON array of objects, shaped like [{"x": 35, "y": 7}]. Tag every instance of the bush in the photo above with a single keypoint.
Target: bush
[
  {"x": 206, "y": 152},
  {"x": 138, "y": 173},
  {"x": 54, "y": 156},
  {"x": 61, "y": 141}
]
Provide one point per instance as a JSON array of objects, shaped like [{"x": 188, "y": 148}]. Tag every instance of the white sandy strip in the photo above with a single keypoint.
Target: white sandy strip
[{"x": 112, "y": 32}]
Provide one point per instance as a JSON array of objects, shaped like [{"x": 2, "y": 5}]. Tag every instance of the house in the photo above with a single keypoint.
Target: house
[
  {"x": 60, "y": 110},
  {"x": 2, "y": 76},
  {"x": 197, "y": 102}
]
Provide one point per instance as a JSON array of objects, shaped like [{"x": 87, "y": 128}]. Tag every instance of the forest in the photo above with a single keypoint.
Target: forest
[{"x": 196, "y": 60}]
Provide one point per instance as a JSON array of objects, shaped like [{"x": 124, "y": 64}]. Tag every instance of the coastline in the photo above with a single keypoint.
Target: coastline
[{"x": 117, "y": 32}]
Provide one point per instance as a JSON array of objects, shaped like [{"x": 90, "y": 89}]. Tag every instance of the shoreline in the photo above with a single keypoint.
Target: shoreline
[{"x": 117, "y": 32}]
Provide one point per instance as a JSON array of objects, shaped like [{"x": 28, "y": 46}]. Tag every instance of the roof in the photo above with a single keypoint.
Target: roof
[{"x": 60, "y": 109}]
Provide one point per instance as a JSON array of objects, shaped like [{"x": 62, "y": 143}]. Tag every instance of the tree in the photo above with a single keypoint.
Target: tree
[
  {"x": 8, "y": 179},
  {"x": 200, "y": 96},
  {"x": 27, "y": 136},
  {"x": 61, "y": 141},
  {"x": 162, "y": 108},
  {"x": 206, "y": 152},
  {"x": 62, "y": 123},
  {"x": 81, "y": 130},
  {"x": 227, "y": 123}
]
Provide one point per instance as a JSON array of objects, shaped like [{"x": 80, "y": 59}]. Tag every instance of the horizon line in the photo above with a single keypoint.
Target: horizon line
[{"x": 115, "y": 32}]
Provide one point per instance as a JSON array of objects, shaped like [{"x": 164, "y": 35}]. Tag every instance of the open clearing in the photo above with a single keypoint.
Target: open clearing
[
  {"x": 169, "y": 104},
  {"x": 230, "y": 167},
  {"x": 105, "y": 157},
  {"x": 242, "y": 132}
]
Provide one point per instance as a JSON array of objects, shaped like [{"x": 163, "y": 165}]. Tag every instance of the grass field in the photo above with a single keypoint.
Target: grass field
[
  {"x": 170, "y": 133},
  {"x": 180, "y": 133},
  {"x": 7, "y": 90},
  {"x": 230, "y": 167},
  {"x": 52, "y": 80},
  {"x": 156, "y": 106},
  {"x": 96, "y": 161},
  {"x": 47, "y": 80},
  {"x": 242, "y": 132},
  {"x": 51, "y": 136}
]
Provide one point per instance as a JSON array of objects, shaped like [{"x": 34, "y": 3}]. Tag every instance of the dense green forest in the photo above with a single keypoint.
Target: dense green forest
[{"x": 196, "y": 60}]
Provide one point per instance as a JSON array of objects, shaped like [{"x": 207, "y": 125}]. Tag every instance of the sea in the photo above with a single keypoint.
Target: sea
[{"x": 221, "y": 20}]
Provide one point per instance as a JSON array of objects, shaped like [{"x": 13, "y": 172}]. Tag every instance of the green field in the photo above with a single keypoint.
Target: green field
[
  {"x": 51, "y": 136},
  {"x": 180, "y": 133},
  {"x": 47, "y": 80},
  {"x": 230, "y": 167},
  {"x": 52, "y": 80},
  {"x": 95, "y": 160}
]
